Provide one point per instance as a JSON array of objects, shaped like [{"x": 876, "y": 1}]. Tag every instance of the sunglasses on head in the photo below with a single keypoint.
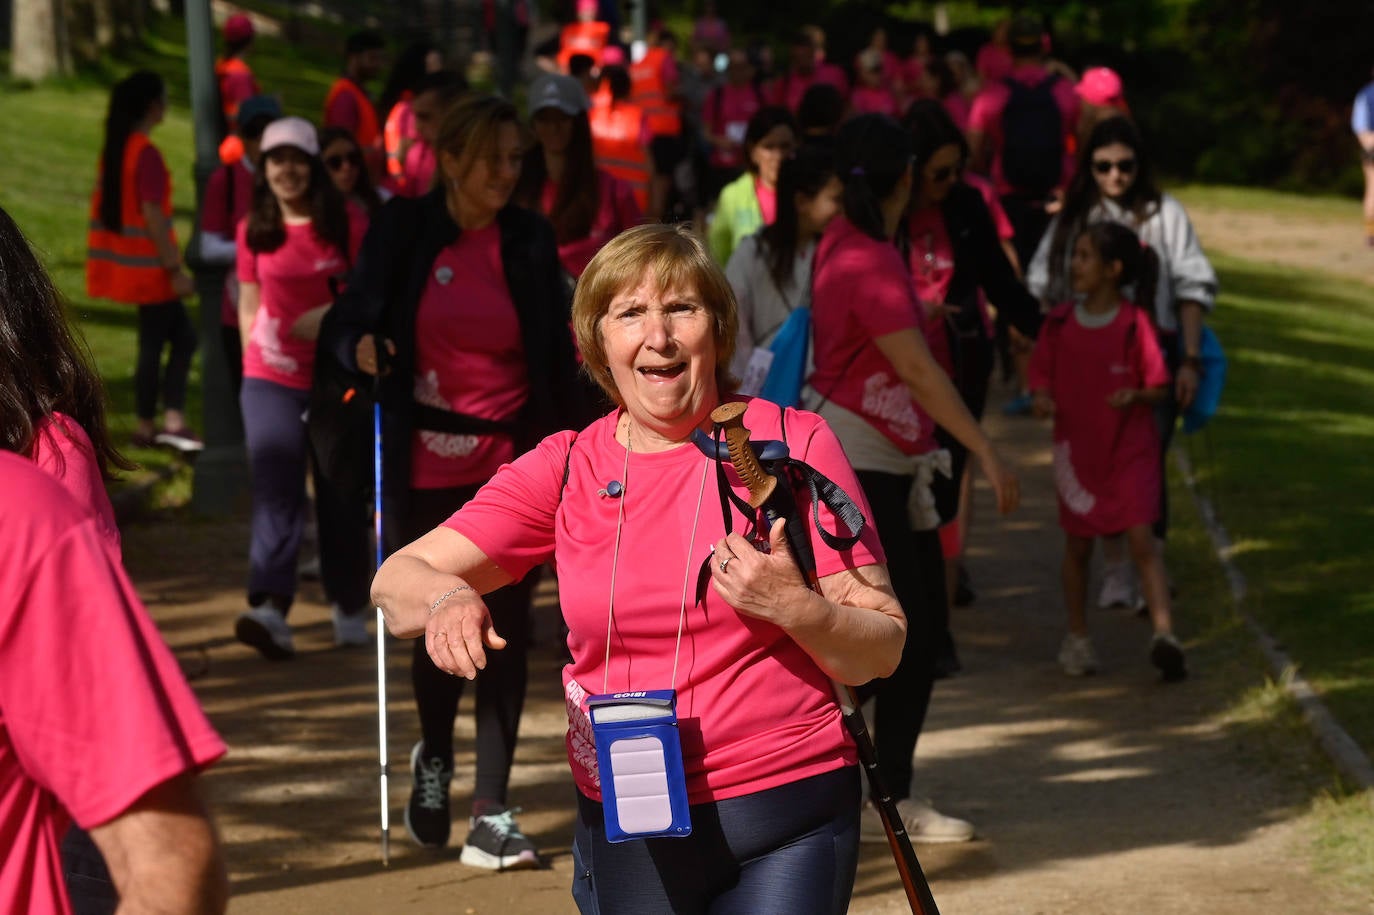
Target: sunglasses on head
[
  {"x": 336, "y": 162},
  {"x": 1105, "y": 166}
]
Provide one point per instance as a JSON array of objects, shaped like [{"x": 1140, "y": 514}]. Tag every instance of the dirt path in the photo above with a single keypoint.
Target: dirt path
[{"x": 1110, "y": 794}]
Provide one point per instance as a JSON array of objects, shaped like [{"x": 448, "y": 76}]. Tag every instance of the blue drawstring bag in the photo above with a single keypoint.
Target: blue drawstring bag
[
  {"x": 1210, "y": 385},
  {"x": 788, "y": 372}
]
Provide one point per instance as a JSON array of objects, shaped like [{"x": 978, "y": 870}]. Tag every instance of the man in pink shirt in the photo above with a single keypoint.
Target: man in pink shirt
[
  {"x": 1015, "y": 137},
  {"x": 97, "y": 724}
]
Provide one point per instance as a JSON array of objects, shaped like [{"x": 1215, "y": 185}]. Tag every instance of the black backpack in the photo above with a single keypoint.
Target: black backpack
[{"x": 1032, "y": 137}]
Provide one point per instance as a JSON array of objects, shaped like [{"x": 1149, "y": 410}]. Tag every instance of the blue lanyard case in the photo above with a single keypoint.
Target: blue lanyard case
[{"x": 639, "y": 754}]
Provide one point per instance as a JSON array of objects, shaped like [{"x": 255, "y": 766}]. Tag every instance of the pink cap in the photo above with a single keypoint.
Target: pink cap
[
  {"x": 1099, "y": 86},
  {"x": 613, "y": 55},
  {"x": 238, "y": 27}
]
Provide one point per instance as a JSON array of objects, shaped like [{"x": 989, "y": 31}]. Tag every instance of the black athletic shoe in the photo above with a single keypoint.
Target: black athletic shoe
[
  {"x": 1167, "y": 655},
  {"x": 496, "y": 843},
  {"x": 427, "y": 818}
]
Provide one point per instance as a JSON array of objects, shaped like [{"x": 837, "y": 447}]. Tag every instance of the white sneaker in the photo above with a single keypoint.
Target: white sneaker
[
  {"x": 264, "y": 627},
  {"x": 924, "y": 824},
  {"x": 1076, "y": 655},
  {"x": 1118, "y": 586},
  {"x": 350, "y": 629}
]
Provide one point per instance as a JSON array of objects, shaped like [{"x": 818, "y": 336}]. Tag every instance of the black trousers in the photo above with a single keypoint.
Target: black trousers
[{"x": 160, "y": 326}]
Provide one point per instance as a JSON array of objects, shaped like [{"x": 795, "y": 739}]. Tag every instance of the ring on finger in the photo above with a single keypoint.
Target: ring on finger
[{"x": 725, "y": 562}]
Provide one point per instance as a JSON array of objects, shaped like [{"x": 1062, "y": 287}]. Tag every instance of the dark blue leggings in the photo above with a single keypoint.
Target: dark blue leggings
[{"x": 791, "y": 849}]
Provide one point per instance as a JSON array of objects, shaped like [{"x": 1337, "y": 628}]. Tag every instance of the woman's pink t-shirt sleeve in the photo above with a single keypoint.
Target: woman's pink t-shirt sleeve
[
  {"x": 64, "y": 451},
  {"x": 888, "y": 299},
  {"x": 246, "y": 262}
]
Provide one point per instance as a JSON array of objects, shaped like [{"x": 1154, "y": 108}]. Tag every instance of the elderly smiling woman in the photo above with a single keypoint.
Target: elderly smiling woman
[{"x": 624, "y": 510}]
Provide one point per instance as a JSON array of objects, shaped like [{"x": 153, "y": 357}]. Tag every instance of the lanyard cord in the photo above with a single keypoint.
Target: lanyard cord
[{"x": 615, "y": 564}]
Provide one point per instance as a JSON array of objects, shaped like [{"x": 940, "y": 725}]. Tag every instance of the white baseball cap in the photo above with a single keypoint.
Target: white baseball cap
[{"x": 295, "y": 132}]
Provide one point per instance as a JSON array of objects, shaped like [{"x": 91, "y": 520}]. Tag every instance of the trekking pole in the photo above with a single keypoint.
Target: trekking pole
[
  {"x": 381, "y": 619},
  {"x": 774, "y": 496}
]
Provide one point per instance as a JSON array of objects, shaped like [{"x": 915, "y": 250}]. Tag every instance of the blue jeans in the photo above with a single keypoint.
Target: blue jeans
[{"x": 792, "y": 849}]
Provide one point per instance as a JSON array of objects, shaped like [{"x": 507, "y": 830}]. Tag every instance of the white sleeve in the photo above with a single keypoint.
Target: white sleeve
[
  {"x": 1190, "y": 272},
  {"x": 216, "y": 248},
  {"x": 740, "y": 272},
  {"x": 1038, "y": 271}
]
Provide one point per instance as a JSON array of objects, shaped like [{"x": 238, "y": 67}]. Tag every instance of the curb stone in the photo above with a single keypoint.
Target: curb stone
[{"x": 1343, "y": 750}]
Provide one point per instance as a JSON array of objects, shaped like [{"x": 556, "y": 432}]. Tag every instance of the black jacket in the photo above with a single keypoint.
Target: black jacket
[
  {"x": 980, "y": 262},
  {"x": 382, "y": 298}
]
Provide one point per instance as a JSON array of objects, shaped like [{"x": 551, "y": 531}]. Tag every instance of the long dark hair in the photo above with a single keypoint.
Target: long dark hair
[
  {"x": 328, "y": 212},
  {"x": 1139, "y": 263},
  {"x": 761, "y": 124},
  {"x": 806, "y": 173},
  {"x": 45, "y": 366},
  {"x": 364, "y": 190},
  {"x": 872, "y": 153},
  {"x": 129, "y": 103},
  {"x": 578, "y": 197},
  {"x": 405, "y": 74},
  {"x": 931, "y": 129},
  {"x": 1083, "y": 195}
]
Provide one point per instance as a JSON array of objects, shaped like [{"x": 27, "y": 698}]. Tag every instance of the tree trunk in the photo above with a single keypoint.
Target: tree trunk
[{"x": 36, "y": 53}]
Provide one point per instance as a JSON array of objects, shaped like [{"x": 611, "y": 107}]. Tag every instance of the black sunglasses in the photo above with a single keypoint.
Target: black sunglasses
[
  {"x": 336, "y": 162},
  {"x": 1105, "y": 166},
  {"x": 941, "y": 175}
]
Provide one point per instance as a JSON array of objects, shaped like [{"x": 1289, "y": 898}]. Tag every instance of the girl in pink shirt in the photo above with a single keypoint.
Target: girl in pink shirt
[
  {"x": 1097, "y": 369},
  {"x": 299, "y": 238}
]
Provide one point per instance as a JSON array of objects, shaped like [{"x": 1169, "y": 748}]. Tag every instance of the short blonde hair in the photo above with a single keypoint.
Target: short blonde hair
[{"x": 677, "y": 260}]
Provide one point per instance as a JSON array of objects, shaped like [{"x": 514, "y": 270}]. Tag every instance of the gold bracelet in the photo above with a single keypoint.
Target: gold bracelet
[{"x": 446, "y": 595}]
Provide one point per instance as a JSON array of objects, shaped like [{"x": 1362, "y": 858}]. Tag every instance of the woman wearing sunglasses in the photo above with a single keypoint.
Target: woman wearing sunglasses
[
  {"x": 343, "y": 159},
  {"x": 958, "y": 263},
  {"x": 1115, "y": 182}
]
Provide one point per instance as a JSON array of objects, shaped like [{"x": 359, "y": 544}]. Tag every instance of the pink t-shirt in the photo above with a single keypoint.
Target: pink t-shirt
[
  {"x": 221, "y": 215},
  {"x": 787, "y": 90},
  {"x": 768, "y": 201},
  {"x": 617, "y": 212},
  {"x": 64, "y": 450},
  {"x": 986, "y": 117},
  {"x": 1106, "y": 460},
  {"x": 861, "y": 290},
  {"x": 958, "y": 107},
  {"x": 419, "y": 169},
  {"x": 756, "y": 711},
  {"x": 291, "y": 281},
  {"x": 993, "y": 62},
  {"x": 873, "y": 100},
  {"x": 726, "y": 113},
  {"x": 343, "y": 112},
  {"x": 94, "y": 710},
  {"x": 469, "y": 358},
  {"x": 833, "y": 75},
  {"x": 932, "y": 269},
  {"x": 236, "y": 86}
]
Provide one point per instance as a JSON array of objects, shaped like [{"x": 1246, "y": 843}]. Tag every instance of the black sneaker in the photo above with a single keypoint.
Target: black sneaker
[
  {"x": 1167, "y": 655},
  {"x": 427, "y": 818},
  {"x": 497, "y": 844}
]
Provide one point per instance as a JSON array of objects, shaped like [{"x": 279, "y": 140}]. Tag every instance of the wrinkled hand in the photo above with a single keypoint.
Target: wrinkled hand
[
  {"x": 459, "y": 633},
  {"x": 1042, "y": 405},
  {"x": 756, "y": 584},
  {"x": 1185, "y": 386},
  {"x": 1004, "y": 482},
  {"x": 365, "y": 354},
  {"x": 1123, "y": 397}
]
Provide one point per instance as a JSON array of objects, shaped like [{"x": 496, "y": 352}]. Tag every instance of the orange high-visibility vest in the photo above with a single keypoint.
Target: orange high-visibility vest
[
  {"x": 123, "y": 264},
  {"x": 588, "y": 38},
  {"x": 650, "y": 94},
  {"x": 617, "y": 145},
  {"x": 224, "y": 68},
  {"x": 368, "y": 134},
  {"x": 391, "y": 137}
]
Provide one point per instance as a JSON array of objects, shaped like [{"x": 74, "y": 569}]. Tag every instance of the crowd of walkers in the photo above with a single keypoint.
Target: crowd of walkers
[{"x": 548, "y": 303}]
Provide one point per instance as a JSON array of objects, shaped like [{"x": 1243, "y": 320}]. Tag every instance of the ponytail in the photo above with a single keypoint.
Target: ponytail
[
  {"x": 872, "y": 154},
  {"x": 807, "y": 173},
  {"x": 129, "y": 103},
  {"x": 1139, "y": 262}
]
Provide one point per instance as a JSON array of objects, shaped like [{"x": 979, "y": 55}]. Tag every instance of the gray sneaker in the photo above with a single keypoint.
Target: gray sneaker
[
  {"x": 264, "y": 627},
  {"x": 924, "y": 824},
  {"x": 496, "y": 843},
  {"x": 1076, "y": 655},
  {"x": 350, "y": 629}
]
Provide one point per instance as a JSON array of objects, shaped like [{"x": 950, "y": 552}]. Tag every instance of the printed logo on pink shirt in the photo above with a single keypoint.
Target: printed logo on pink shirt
[
  {"x": 1077, "y": 499},
  {"x": 267, "y": 335},
  {"x": 891, "y": 402},
  {"x": 581, "y": 743},
  {"x": 443, "y": 444}
]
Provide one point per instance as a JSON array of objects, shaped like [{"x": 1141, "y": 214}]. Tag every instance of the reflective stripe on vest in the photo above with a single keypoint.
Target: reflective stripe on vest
[
  {"x": 124, "y": 264},
  {"x": 650, "y": 94},
  {"x": 368, "y": 134},
  {"x": 392, "y": 138}
]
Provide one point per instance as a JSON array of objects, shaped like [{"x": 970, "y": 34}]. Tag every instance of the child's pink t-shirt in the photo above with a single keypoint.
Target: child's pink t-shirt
[
  {"x": 94, "y": 710},
  {"x": 291, "y": 281},
  {"x": 64, "y": 450},
  {"x": 469, "y": 358},
  {"x": 862, "y": 290},
  {"x": 1106, "y": 459},
  {"x": 755, "y": 710},
  {"x": 617, "y": 211}
]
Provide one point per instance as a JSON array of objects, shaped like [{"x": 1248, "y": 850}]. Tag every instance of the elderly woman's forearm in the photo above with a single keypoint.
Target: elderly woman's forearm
[
  {"x": 404, "y": 589},
  {"x": 852, "y": 644}
]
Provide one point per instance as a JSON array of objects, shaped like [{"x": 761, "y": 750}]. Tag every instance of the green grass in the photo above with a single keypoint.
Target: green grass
[
  {"x": 1344, "y": 209},
  {"x": 1291, "y": 471}
]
